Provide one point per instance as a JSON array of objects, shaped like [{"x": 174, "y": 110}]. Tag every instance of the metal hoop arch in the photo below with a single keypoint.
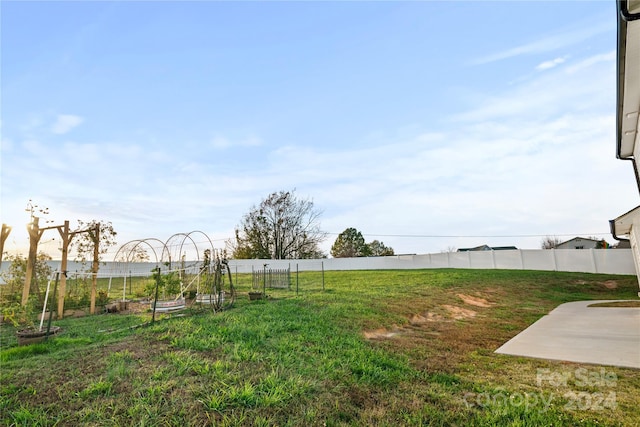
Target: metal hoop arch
[
  {"x": 205, "y": 235},
  {"x": 138, "y": 243},
  {"x": 186, "y": 236},
  {"x": 182, "y": 244}
]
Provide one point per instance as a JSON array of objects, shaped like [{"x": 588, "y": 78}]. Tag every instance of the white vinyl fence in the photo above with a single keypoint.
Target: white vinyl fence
[{"x": 608, "y": 261}]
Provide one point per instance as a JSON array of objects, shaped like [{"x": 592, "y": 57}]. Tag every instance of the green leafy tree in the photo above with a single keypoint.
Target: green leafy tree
[
  {"x": 84, "y": 242},
  {"x": 377, "y": 248},
  {"x": 94, "y": 238},
  {"x": 283, "y": 226},
  {"x": 350, "y": 243}
]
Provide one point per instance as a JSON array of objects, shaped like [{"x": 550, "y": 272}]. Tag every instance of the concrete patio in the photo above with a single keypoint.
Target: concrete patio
[{"x": 578, "y": 332}]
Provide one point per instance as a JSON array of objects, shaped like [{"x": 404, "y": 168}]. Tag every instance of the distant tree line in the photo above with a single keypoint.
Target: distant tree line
[{"x": 351, "y": 243}]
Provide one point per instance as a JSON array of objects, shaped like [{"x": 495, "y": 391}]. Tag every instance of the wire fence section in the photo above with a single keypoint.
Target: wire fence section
[
  {"x": 293, "y": 275},
  {"x": 272, "y": 278}
]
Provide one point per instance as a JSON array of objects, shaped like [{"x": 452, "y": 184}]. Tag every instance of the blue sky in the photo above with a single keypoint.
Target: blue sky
[{"x": 405, "y": 120}]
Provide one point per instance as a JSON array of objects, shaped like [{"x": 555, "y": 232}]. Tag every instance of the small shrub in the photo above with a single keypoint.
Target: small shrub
[{"x": 168, "y": 284}]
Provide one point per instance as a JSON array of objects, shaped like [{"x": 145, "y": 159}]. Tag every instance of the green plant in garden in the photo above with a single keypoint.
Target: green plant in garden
[
  {"x": 15, "y": 275},
  {"x": 168, "y": 284},
  {"x": 11, "y": 292},
  {"x": 102, "y": 298},
  {"x": 15, "y": 314}
]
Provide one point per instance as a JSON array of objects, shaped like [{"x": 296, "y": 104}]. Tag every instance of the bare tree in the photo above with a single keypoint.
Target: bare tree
[
  {"x": 283, "y": 226},
  {"x": 550, "y": 242}
]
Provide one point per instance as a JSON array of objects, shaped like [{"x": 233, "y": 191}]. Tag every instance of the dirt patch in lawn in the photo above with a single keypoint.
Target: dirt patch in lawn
[
  {"x": 382, "y": 333},
  {"x": 421, "y": 319},
  {"x": 476, "y": 301},
  {"x": 430, "y": 322},
  {"x": 459, "y": 313},
  {"x": 609, "y": 284}
]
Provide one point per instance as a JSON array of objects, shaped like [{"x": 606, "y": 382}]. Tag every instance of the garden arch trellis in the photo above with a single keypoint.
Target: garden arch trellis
[
  {"x": 219, "y": 272},
  {"x": 131, "y": 250}
]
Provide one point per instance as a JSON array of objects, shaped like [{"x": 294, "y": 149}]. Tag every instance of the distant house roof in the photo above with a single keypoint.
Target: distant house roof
[
  {"x": 579, "y": 239},
  {"x": 623, "y": 244},
  {"x": 580, "y": 242},
  {"x": 488, "y": 248}
]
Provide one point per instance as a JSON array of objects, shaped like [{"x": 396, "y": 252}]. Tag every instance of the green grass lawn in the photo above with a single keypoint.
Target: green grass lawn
[{"x": 392, "y": 348}]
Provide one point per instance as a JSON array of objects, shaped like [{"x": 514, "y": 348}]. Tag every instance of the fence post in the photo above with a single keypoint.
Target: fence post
[
  {"x": 297, "y": 278},
  {"x": 155, "y": 301},
  {"x": 264, "y": 279},
  {"x": 323, "y": 276}
]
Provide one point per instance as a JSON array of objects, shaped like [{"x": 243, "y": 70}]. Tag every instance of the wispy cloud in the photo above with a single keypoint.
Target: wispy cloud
[
  {"x": 65, "y": 123},
  {"x": 546, "y": 44},
  {"x": 546, "y": 65},
  {"x": 566, "y": 88},
  {"x": 609, "y": 57},
  {"x": 507, "y": 166}
]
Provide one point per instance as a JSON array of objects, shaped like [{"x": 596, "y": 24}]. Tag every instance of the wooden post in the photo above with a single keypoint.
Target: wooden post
[
  {"x": 35, "y": 233},
  {"x": 94, "y": 270},
  {"x": 66, "y": 239},
  {"x": 5, "y": 233}
]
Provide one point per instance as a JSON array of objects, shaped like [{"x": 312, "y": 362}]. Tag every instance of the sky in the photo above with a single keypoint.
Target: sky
[{"x": 425, "y": 125}]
